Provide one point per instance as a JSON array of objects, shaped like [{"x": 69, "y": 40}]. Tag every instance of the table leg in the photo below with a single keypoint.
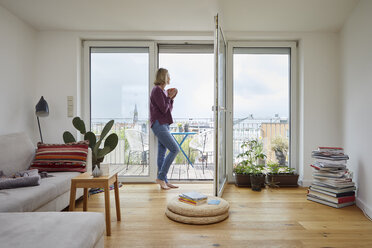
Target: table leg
[
  {"x": 85, "y": 202},
  {"x": 107, "y": 209},
  {"x": 72, "y": 196},
  {"x": 117, "y": 199}
]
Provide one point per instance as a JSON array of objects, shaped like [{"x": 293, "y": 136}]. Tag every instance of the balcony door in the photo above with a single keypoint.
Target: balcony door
[
  {"x": 220, "y": 110},
  {"x": 118, "y": 79}
]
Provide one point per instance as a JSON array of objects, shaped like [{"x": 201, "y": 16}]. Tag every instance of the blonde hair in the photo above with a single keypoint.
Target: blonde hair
[{"x": 161, "y": 76}]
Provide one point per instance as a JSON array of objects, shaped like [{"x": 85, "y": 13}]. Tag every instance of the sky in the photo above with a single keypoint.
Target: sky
[{"x": 119, "y": 81}]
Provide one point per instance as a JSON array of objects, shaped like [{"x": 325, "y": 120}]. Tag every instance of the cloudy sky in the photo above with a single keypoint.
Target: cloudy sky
[{"x": 120, "y": 81}]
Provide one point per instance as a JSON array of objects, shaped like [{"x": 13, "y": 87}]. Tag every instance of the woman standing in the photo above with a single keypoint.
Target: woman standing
[{"x": 161, "y": 105}]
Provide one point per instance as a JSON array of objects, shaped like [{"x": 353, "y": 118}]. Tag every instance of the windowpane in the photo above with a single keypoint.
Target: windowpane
[{"x": 119, "y": 91}]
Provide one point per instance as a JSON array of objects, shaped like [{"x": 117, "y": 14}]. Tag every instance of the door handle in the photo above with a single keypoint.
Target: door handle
[{"x": 219, "y": 108}]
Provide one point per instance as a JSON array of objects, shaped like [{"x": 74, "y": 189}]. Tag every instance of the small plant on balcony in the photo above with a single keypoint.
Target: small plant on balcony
[{"x": 280, "y": 146}]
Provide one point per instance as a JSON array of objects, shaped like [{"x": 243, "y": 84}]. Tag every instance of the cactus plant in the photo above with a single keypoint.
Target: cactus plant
[{"x": 98, "y": 153}]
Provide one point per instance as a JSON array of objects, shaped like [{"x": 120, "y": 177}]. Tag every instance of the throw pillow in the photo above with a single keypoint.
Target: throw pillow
[{"x": 61, "y": 157}]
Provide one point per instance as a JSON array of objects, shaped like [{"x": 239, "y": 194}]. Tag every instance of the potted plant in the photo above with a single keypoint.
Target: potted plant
[
  {"x": 281, "y": 176},
  {"x": 242, "y": 175},
  {"x": 98, "y": 153},
  {"x": 252, "y": 152},
  {"x": 257, "y": 177},
  {"x": 280, "y": 146},
  {"x": 258, "y": 151}
]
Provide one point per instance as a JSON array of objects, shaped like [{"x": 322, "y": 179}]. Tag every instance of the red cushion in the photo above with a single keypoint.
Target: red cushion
[{"x": 61, "y": 157}]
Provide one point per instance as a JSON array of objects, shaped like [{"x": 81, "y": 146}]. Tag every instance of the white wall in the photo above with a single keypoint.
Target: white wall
[
  {"x": 58, "y": 76},
  {"x": 356, "y": 71},
  {"x": 17, "y": 53}
]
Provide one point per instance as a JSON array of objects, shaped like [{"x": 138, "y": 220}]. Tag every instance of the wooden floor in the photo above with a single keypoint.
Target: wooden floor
[
  {"x": 179, "y": 172},
  {"x": 271, "y": 218}
]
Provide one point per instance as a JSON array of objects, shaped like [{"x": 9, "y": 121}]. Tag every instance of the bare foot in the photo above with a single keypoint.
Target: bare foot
[
  {"x": 162, "y": 184},
  {"x": 172, "y": 186}
]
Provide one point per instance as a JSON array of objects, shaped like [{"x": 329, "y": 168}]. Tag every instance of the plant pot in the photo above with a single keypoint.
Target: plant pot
[
  {"x": 243, "y": 180},
  {"x": 257, "y": 182},
  {"x": 282, "y": 180},
  {"x": 97, "y": 171}
]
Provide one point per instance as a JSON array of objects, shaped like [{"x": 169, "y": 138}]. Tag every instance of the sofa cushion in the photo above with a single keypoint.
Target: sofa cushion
[
  {"x": 61, "y": 157},
  {"x": 16, "y": 153},
  {"x": 31, "y": 198},
  {"x": 51, "y": 229}
]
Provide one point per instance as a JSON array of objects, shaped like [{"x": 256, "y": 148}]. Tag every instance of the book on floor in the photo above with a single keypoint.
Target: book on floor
[
  {"x": 332, "y": 189},
  {"x": 331, "y": 204},
  {"x": 347, "y": 193},
  {"x": 341, "y": 199},
  {"x": 195, "y": 203},
  {"x": 193, "y": 196}
]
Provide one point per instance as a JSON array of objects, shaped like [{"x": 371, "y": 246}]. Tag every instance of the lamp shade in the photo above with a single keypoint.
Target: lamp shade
[{"x": 42, "y": 108}]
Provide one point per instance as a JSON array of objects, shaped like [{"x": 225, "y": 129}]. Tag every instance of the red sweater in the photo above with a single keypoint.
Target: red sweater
[{"x": 160, "y": 106}]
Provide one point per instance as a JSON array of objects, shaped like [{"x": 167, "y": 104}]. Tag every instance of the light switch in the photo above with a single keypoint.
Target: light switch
[{"x": 70, "y": 106}]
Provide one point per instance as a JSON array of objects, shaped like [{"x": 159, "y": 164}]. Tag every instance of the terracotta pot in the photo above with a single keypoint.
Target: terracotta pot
[{"x": 283, "y": 180}]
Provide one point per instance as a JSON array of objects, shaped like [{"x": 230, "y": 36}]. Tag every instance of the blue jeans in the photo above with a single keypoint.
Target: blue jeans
[{"x": 165, "y": 141}]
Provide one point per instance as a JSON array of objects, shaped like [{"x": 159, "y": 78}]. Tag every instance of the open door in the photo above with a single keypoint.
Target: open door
[{"x": 219, "y": 110}]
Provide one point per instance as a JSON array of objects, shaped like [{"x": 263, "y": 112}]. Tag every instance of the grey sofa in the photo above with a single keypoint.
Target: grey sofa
[{"x": 50, "y": 197}]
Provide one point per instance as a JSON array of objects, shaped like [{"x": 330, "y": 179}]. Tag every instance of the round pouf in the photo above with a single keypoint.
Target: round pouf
[{"x": 199, "y": 215}]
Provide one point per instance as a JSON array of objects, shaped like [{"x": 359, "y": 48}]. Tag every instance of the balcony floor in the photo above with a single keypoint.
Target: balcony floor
[{"x": 179, "y": 172}]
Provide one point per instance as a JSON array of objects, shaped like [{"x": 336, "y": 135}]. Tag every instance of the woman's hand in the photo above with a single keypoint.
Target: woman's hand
[{"x": 172, "y": 92}]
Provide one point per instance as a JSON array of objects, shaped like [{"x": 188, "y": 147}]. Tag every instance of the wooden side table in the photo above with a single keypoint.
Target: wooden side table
[{"x": 86, "y": 181}]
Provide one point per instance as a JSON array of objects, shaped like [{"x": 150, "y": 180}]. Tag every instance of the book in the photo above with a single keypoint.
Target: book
[
  {"x": 348, "y": 193},
  {"x": 329, "y": 198},
  {"x": 192, "y": 202},
  {"x": 214, "y": 202},
  {"x": 335, "y": 205},
  {"x": 330, "y": 149},
  {"x": 330, "y": 164},
  {"x": 336, "y": 185},
  {"x": 333, "y": 189},
  {"x": 194, "y": 196}
]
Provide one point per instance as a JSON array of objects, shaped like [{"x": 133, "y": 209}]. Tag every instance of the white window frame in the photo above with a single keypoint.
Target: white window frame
[
  {"x": 293, "y": 98},
  {"x": 85, "y": 95}
]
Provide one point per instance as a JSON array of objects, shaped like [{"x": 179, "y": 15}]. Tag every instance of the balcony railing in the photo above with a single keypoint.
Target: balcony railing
[{"x": 243, "y": 129}]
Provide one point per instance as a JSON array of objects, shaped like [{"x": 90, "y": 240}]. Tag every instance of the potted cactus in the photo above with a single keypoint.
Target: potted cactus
[{"x": 98, "y": 153}]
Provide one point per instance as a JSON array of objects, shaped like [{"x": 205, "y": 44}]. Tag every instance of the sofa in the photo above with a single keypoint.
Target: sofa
[{"x": 18, "y": 205}]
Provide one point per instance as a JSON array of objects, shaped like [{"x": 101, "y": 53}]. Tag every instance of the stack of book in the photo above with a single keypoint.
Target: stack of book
[
  {"x": 193, "y": 198},
  {"x": 332, "y": 184}
]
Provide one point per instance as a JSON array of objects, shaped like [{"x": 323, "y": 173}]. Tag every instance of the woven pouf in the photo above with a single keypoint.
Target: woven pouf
[{"x": 199, "y": 215}]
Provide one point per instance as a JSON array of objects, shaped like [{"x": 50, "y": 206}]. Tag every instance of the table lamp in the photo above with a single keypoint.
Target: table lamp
[{"x": 42, "y": 110}]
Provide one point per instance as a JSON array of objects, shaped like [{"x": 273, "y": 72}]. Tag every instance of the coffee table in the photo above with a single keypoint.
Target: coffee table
[{"x": 86, "y": 180}]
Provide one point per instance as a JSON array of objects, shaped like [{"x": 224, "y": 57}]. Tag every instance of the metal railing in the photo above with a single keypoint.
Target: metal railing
[{"x": 243, "y": 129}]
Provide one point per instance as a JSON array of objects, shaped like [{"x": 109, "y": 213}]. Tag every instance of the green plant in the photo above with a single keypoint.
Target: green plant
[
  {"x": 241, "y": 169},
  {"x": 275, "y": 169},
  {"x": 279, "y": 144},
  {"x": 257, "y": 170},
  {"x": 98, "y": 153},
  {"x": 252, "y": 151}
]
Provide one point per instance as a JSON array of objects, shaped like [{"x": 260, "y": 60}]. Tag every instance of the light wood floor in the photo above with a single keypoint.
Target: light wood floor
[{"x": 271, "y": 218}]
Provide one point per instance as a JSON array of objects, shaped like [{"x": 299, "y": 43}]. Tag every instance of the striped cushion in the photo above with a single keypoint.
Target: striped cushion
[{"x": 61, "y": 157}]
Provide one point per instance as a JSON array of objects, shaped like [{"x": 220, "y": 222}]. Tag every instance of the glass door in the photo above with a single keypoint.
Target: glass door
[
  {"x": 219, "y": 109},
  {"x": 120, "y": 75}
]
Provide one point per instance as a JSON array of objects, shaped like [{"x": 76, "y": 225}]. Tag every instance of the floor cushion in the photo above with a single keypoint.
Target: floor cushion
[
  {"x": 196, "y": 220},
  {"x": 202, "y": 214},
  {"x": 202, "y": 210}
]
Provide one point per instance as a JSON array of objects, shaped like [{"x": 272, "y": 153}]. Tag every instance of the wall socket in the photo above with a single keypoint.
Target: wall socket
[{"x": 70, "y": 106}]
